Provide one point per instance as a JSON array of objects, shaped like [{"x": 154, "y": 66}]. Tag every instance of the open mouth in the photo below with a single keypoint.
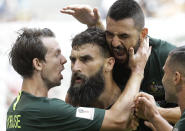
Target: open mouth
[
  {"x": 119, "y": 51},
  {"x": 60, "y": 73},
  {"x": 78, "y": 79}
]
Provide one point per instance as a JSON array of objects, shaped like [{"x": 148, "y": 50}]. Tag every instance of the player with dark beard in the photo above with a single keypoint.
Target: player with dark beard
[
  {"x": 92, "y": 65},
  {"x": 38, "y": 58},
  {"x": 125, "y": 28}
]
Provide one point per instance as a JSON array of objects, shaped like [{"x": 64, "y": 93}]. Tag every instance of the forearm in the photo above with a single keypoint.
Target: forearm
[
  {"x": 160, "y": 123},
  {"x": 172, "y": 115},
  {"x": 118, "y": 116},
  {"x": 125, "y": 102}
]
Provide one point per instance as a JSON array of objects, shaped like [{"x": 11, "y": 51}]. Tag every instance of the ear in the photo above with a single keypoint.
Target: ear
[
  {"x": 37, "y": 64},
  {"x": 177, "y": 78},
  {"x": 143, "y": 34},
  {"x": 109, "y": 64}
]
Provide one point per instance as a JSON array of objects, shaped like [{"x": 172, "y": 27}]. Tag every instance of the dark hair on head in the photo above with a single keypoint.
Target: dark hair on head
[
  {"x": 28, "y": 46},
  {"x": 95, "y": 36},
  {"x": 122, "y": 9},
  {"x": 177, "y": 57}
]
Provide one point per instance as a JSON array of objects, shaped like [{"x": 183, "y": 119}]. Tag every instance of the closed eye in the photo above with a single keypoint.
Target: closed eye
[
  {"x": 85, "y": 58},
  {"x": 123, "y": 36}
]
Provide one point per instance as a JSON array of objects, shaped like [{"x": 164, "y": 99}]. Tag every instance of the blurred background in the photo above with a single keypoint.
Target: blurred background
[{"x": 164, "y": 18}]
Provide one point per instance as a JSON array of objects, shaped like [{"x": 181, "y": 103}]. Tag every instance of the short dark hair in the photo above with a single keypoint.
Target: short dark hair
[
  {"x": 95, "y": 36},
  {"x": 122, "y": 9},
  {"x": 28, "y": 46},
  {"x": 177, "y": 57}
]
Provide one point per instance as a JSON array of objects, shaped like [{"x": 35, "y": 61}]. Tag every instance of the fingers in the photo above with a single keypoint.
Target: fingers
[
  {"x": 134, "y": 124},
  {"x": 96, "y": 13},
  {"x": 72, "y": 7},
  {"x": 145, "y": 42},
  {"x": 149, "y": 50},
  {"x": 131, "y": 52},
  {"x": 69, "y": 12},
  {"x": 75, "y": 7},
  {"x": 143, "y": 94},
  {"x": 150, "y": 125},
  {"x": 143, "y": 100}
]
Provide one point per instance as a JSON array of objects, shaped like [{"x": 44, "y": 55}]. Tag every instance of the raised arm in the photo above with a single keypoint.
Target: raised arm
[
  {"x": 118, "y": 116},
  {"x": 84, "y": 14}
]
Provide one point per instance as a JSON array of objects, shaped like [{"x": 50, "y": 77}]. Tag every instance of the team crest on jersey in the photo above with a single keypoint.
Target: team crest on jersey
[
  {"x": 84, "y": 112},
  {"x": 156, "y": 89}
]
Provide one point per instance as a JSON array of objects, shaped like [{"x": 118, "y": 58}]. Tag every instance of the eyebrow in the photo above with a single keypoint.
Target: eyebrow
[
  {"x": 85, "y": 56},
  {"x": 119, "y": 34}
]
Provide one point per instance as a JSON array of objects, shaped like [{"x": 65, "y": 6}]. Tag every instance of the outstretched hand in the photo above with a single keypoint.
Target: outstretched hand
[
  {"x": 138, "y": 61},
  {"x": 83, "y": 13}
]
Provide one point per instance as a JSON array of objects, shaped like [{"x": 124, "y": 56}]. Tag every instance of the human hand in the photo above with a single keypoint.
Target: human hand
[
  {"x": 150, "y": 125},
  {"x": 145, "y": 105},
  {"x": 133, "y": 123},
  {"x": 138, "y": 61},
  {"x": 83, "y": 13}
]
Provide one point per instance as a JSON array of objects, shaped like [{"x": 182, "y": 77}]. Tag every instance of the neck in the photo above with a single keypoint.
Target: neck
[
  {"x": 109, "y": 95},
  {"x": 181, "y": 98},
  {"x": 35, "y": 86}
]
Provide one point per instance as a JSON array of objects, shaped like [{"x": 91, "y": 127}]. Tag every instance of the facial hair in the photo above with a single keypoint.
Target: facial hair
[
  {"x": 121, "y": 71},
  {"x": 122, "y": 49},
  {"x": 86, "y": 93}
]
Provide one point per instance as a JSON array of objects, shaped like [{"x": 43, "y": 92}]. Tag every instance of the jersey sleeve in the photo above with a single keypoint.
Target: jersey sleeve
[
  {"x": 180, "y": 125},
  {"x": 67, "y": 117}
]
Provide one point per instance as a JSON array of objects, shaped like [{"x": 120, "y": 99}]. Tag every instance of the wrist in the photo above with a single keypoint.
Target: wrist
[
  {"x": 138, "y": 73},
  {"x": 98, "y": 24},
  {"x": 95, "y": 24},
  {"x": 156, "y": 117},
  {"x": 90, "y": 25}
]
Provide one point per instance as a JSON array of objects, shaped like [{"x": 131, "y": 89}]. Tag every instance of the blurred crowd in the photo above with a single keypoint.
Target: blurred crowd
[
  {"x": 162, "y": 8},
  {"x": 12, "y": 10}
]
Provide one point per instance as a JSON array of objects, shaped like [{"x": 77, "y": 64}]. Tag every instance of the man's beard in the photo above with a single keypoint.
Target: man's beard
[
  {"x": 121, "y": 49},
  {"x": 121, "y": 70},
  {"x": 86, "y": 93}
]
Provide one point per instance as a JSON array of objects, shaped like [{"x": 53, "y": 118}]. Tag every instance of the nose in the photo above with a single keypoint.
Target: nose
[
  {"x": 76, "y": 67},
  {"x": 63, "y": 60},
  {"x": 115, "y": 41}
]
